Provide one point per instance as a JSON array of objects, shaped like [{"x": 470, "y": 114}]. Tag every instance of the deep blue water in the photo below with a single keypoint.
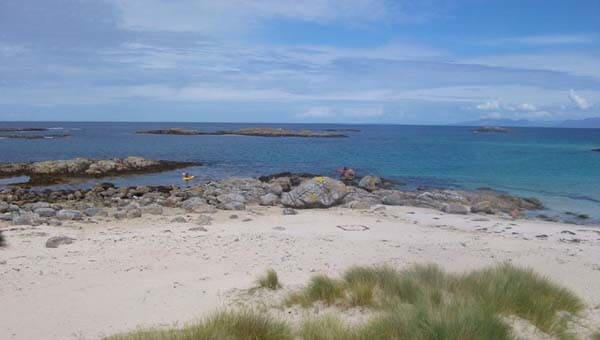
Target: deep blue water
[{"x": 555, "y": 165}]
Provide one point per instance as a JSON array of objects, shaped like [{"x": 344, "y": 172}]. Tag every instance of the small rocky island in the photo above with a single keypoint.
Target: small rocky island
[
  {"x": 53, "y": 172},
  {"x": 491, "y": 129},
  {"x": 596, "y": 150},
  {"x": 52, "y": 136},
  {"x": 256, "y": 132}
]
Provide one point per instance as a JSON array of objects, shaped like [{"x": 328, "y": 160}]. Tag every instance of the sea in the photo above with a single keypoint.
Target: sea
[{"x": 555, "y": 165}]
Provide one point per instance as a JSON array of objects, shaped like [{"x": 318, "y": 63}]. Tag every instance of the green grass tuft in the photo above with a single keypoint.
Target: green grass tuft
[
  {"x": 326, "y": 328},
  {"x": 226, "y": 325},
  {"x": 420, "y": 303},
  {"x": 270, "y": 280}
]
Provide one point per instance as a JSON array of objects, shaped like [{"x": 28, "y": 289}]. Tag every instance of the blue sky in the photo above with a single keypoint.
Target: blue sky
[{"x": 353, "y": 61}]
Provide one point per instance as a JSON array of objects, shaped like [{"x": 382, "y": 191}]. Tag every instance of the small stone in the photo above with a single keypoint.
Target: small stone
[
  {"x": 56, "y": 241},
  {"x": 179, "y": 219},
  {"x": 289, "y": 211},
  {"x": 198, "y": 229},
  {"x": 279, "y": 228},
  {"x": 233, "y": 216}
]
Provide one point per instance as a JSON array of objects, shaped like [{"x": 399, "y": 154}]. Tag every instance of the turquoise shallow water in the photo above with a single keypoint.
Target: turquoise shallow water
[{"x": 555, "y": 165}]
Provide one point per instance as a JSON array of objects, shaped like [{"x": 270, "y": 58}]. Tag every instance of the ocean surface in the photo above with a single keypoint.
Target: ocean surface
[{"x": 552, "y": 164}]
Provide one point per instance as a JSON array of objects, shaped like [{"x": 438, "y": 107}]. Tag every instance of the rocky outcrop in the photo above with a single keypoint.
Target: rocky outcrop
[
  {"x": 492, "y": 129},
  {"x": 26, "y": 206},
  {"x": 596, "y": 150},
  {"x": 255, "y": 131},
  {"x": 319, "y": 192},
  {"x": 50, "y": 172}
]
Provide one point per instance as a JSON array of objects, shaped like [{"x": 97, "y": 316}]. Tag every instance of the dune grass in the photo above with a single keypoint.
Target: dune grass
[
  {"x": 221, "y": 326},
  {"x": 446, "y": 306},
  {"x": 419, "y": 303},
  {"x": 270, "y": 280}
]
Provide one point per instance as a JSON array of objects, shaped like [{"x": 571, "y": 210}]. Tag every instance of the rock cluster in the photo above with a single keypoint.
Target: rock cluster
[
  {"x": 50, "y": 172},
  {"x": 23, "y": 206},
  {"x": 254, "y": 131}
]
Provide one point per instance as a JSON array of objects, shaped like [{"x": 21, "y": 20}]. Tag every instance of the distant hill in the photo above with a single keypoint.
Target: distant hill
[
  {"x": 590, "y": 123},
  {"x": 582, "y": 123},
  {"x": 506, "y": 122}
]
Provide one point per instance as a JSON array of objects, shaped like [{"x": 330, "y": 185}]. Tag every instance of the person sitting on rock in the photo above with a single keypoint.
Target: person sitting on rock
[{"x": 346, "y": 174}]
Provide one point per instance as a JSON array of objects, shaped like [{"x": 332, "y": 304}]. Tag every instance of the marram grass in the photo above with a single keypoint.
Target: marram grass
[
  {"x": 270, "y": 280},
  {"x": 418, "y": 303}
]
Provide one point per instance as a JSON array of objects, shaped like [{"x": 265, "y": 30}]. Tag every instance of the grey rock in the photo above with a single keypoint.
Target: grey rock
[
  {"x": 395, "y": 198},
  {"x": 275, "y": 189},
  {"x": 121, "y": 214},
  {"x": 482, "y": 207},
  {"x": 269, "y": 199},
  {"x": 179, "y": 219},
  {"x": 455, "y": 208},
  {"x": 153, "y": 209},
  {"x": 91, "y": 211},
  {"x": 289, "y": 211},
  {"x": 45, "y": 212},
  {"x": 134, "y": 213},
  {"x": 6, "y": 217},
  {"x": 198, "y": 229},
  {"x": 69, "y": 214},
  {"x": 319, "y": 192},
  {"x": 370, "y": 183},
  {"x": 231, "y": 201},
  {"x": 26, "y": 218},
  {"x": 3, "y": 207},
  {"x": 204, "y": 220},
  {"x": 56, "y": 241},
  {"x": 36, "y": 205},
  {"x": 197, "y": 205},
  {"x": 362, "y": 204}
]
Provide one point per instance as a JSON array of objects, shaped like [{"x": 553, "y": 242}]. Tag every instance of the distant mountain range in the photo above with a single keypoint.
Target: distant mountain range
[{"x": 589, "y": 123}]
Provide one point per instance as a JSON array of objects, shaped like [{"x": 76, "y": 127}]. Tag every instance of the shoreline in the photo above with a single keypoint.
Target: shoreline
[{"x": 174, "y": 268}]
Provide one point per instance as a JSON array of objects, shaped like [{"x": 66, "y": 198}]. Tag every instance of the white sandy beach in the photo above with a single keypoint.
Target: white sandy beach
[{"x": 119, "y": 275}]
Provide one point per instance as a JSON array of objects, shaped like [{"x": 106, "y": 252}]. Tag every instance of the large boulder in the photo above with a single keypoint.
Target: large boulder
[
  {"x": 455, "y": 208},
  {"x": 269, "y": 199},
  {"x": 69, "y": 214},
  {"x": 231, "y": 201},
  {"x": 197, "y": 205},
  {"x": 370, "y": 183},
  {"x": 45, "y": 212},
  {"x": 4, "y": 207},
  {"x": 153, "y": 209},
  {"x": 26, "y": 218},
  {"x": 319, "y": 192}
]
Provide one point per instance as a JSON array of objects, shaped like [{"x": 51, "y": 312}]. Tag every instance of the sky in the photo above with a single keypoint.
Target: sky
[{"x": 310, "y": 61}]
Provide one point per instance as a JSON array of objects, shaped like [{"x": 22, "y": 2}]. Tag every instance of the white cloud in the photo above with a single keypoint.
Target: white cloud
[
  {"x": 580, "y": 64},
  {"x": 207, "y": 16},
  {"x": 342, "y": 112},
  {"x": 556, "y": 39},
  {"x": 578, "y": 100},
  {"x": 491, "y": 105}
]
